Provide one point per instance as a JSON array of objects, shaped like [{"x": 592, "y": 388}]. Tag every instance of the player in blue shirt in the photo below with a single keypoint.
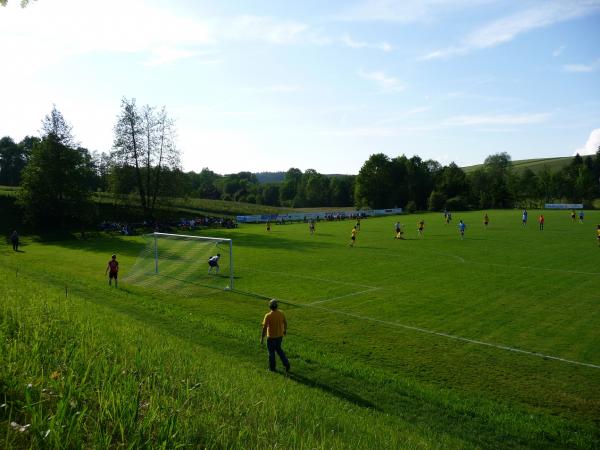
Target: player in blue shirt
[{"x": 461, "y": 228}]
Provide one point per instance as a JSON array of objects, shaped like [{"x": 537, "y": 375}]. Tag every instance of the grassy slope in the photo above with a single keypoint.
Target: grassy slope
[
  {"x": 186, "y": 207},
  {"x": 360, "y": 379},
  {"x": 554, "y": 164}
]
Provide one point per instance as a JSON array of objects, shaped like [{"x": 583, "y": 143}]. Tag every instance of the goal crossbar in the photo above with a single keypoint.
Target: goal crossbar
[
  {"x": 187, "y": 236},
  {"x": 156, "y": 235}
]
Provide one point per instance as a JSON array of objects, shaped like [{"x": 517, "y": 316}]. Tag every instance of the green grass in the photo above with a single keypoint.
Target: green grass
[
  {"x": 198, "y": 206},
  {"x": 186, "y": 207},
  {"x": 139, "y": 368},
  {"x": 553, "y": 164}
]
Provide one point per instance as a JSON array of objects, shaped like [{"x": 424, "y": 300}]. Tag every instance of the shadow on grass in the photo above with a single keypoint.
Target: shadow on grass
[
  {"x": 121, "y": 245},
  {"x": 340, "y": 393},
  {"x": 276, "y": 241}
]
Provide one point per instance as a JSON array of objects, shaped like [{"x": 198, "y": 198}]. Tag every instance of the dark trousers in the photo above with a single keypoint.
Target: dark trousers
[
  {"x": 15, "y": 245},
  {"x": 274, "y": 345}
]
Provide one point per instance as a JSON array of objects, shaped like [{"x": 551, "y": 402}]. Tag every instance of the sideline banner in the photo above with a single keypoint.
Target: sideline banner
[{"x": 563, "y": 206}]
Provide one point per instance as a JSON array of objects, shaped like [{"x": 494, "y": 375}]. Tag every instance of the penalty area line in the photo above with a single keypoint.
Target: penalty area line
[
  {"x": 454, "y": 337},
  {"x": 351, "y": 294},
  {"x": 431, "y": 332},
  {"x": 305, "y": 277}
]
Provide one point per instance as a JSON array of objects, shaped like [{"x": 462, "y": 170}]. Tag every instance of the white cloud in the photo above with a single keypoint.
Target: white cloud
[
  {"x": 500, "y": 119},
  {"x": 276, "y": 88},
  {"x": 376, "y": 131},
  {"x": 51, "y": 31},
  {"x": 592, "y": 144},
  {"x": 165, "y": 55},
  {"x": 559, "y": 51},
  {"x": 271, "y": 30},
  {"x": 61, "y": 29},
  {"x": 402, "y": 117},
  {"x": 348, "y": 41},
  {"x": 404, "y": 11},
  {"x": 385, "y": 82},
  {"x": 582, "y": 68},
  {"x": 508, "y": 28}
]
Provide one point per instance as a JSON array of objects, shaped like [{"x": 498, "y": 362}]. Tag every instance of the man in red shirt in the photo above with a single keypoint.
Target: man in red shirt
[
  {"x": 275, "y": 328},
  {"x": 113, "y": 270}
]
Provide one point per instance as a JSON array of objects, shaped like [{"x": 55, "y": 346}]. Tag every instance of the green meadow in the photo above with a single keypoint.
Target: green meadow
[{"x": 426, "y": 342}]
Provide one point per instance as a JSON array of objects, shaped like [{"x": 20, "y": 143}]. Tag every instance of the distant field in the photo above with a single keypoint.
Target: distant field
[
  {"x": 433, "y": 342},
  {"x": 553, "y": 164}
]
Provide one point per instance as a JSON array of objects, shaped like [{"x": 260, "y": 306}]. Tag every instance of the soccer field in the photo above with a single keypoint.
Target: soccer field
[
  {"x": 508, "y": 314},
  {"x": 491, "y": 340}
]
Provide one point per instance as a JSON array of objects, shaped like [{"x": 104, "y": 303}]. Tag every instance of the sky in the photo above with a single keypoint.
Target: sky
[{"x": 265, "y": 85}]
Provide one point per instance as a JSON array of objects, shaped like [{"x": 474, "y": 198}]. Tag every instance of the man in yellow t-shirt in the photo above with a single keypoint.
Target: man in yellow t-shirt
[
  {"x": 274, "y": 326},
  {"x": 353, "y": 237}
]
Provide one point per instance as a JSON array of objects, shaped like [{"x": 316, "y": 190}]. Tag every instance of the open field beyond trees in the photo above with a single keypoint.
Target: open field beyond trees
[{"x": 433, "y": 342}]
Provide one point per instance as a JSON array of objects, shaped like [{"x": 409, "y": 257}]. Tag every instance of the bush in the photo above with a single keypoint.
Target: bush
[
  {"x": 437, "y": 200},
  {"x": 411, "y": 207},
  {"x": 458, "y": 203}
]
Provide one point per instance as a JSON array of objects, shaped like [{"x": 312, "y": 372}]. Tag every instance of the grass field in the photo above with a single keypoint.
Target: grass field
[
  {"x": 553, "y": 164},
  {"x": 433, "y": 342}
]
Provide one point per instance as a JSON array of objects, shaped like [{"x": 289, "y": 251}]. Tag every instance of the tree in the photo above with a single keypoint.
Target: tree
[
  {"x": 270, "y": 194},
  {"x": 290, "y": 186},
  {"x": 24, "y": 3},
  {"x": 374, "y": 182},
  {"x": 13, "y": 158},
  {"x": 316, "y": 189},
  {"x": 342, "y": 190},
  {"x": 203, "y": 184},
  {"x": 145, "y": 140},
  {"x": 452, "y": 181},
  {"x": 497, "y": 168},
  {"x": 55, "y": 124},
  {"x": 55, "y": 186},
  {"x": 437, "y": 201}
]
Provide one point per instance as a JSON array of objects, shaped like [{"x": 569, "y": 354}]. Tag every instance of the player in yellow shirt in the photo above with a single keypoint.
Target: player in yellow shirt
[
  {"x": 353, "y": 237},
  {"x": 598, "y": 231},
  {"x": 274, "y": 327},
  {"x": 486, "y": 220},
  {"x": 420, "y": 227}
]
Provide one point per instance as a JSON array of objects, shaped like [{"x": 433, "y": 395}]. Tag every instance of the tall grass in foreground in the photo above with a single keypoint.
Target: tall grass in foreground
[{"x": 77, "y": 376}]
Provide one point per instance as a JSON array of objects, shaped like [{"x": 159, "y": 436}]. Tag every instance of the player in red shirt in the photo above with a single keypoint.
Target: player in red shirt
[{"x": 113, "y": 270}]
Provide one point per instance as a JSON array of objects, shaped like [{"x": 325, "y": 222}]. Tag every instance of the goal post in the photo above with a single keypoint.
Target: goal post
[
  {"x": 179, "y": 263},
  {"x": 216, "y": 241}
]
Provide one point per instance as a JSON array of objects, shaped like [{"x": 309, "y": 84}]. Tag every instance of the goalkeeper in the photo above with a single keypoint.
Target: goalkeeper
[{"x": 213, "y": 263}]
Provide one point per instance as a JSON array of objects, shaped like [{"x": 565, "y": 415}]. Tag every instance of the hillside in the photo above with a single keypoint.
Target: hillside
[{"x": 554, "y": 164}]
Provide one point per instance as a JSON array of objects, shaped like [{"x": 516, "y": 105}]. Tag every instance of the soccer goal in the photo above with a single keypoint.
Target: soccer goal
[{"x": 179, "y": 263}]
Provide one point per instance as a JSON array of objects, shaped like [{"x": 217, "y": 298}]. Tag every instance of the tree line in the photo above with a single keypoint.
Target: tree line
[{"x": 58, "y": 176}]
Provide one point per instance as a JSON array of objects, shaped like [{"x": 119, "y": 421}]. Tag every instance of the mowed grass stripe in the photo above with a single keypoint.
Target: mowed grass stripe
[{"x": 379, "y": 363}]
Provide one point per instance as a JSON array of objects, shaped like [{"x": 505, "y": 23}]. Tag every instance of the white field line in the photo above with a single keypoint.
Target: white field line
[
  {"x": 439, "y": 333},
  {"x": 351, "y": 294},
  {"x": 325, "y": 280},
  {"x": 534, "y": 268},
  {"x": 451, "y": 336}
]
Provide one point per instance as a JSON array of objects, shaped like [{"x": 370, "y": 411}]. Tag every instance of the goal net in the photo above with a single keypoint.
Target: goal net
[{"x": 179, "y": 263}]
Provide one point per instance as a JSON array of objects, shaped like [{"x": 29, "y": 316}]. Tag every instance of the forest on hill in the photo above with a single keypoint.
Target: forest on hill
[{"x": 56, "y": 176}]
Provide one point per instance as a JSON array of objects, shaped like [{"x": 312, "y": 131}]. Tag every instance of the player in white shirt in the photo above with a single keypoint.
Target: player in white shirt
[{"x": 213, "y": 262}]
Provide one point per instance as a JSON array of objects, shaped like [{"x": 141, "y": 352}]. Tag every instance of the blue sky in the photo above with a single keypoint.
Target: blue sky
[{"x": 268, "y": 85}]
